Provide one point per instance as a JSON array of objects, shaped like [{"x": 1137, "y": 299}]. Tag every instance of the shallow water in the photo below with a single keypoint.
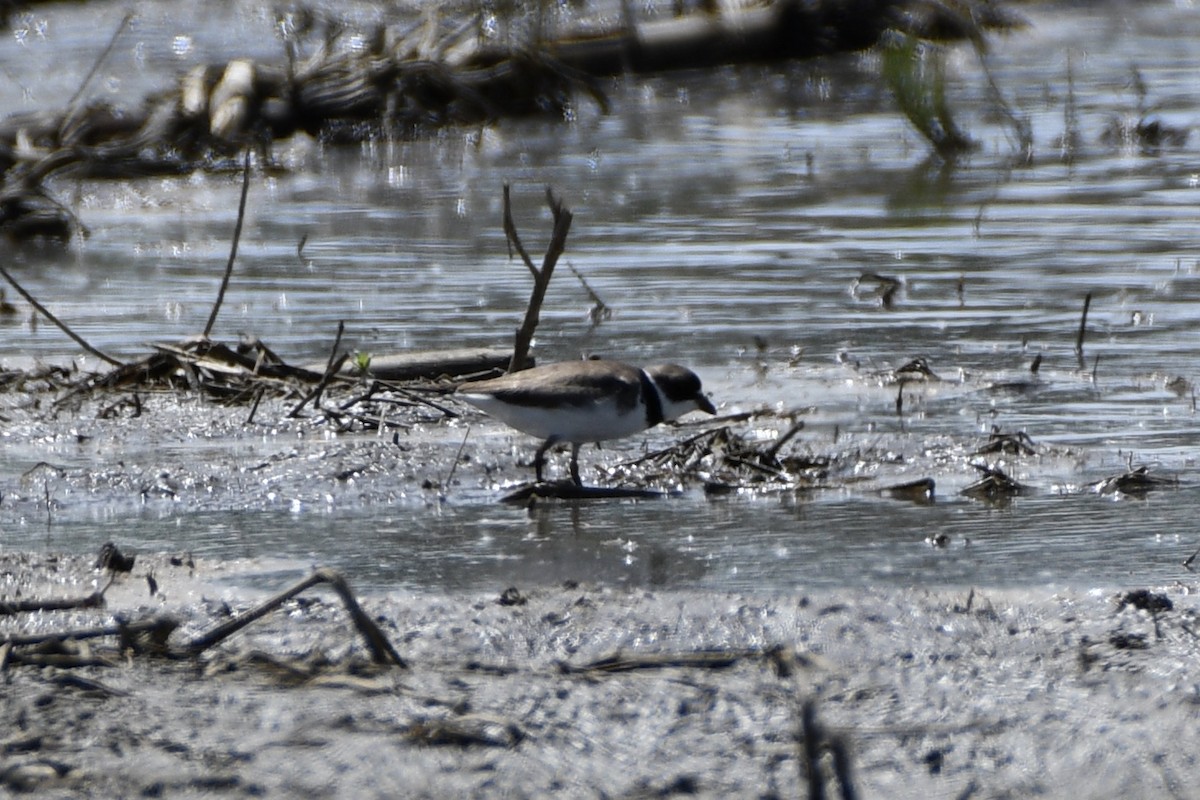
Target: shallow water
[{"x": 712, "y": 213}]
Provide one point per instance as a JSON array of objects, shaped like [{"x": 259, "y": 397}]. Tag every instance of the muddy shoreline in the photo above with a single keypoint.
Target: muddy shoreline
[{"x": 932, "y": 693}]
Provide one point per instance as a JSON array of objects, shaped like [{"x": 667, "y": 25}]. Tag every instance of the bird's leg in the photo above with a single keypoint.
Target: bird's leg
[
  {"x": 540, "y": 458},
  {"x": 575, "y": 463}
]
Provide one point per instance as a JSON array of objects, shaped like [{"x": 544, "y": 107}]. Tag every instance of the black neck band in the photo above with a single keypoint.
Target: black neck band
[{"x": 654, "y": 409}]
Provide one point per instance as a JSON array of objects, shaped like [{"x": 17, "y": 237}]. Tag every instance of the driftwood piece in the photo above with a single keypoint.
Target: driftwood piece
[
  {"x": 428, "y": 364},
  {"x": 13, "y": 607}
]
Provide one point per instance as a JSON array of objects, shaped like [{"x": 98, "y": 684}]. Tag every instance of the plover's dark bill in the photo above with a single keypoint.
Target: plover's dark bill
[{"x": 587, "y": 401}]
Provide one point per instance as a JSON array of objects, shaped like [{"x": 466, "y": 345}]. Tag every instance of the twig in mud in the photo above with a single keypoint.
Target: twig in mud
[
  {"x": 541, "y": 277},
  {"x": 62, "y": 326},
  {"x": 331, "y": 368},
  {"x": 454, "y": 464},
  {"x": 680, "y": 446},
  {"x": 126, "y": 630},
  {"x": 810, "y": 739},
  {"x": 842, "y": 768},
  {"x": 258, "y": 396},
  {"x": 703, "y": 659},
  {"x": 13, "y": 607},
  {"x": 756, "y": 466},
  {"x": 237, "y": 235},
  {"x": 381, "y": 649},
  {"x": 773, "y": 451},
  {"x": 1087, "y": 302},
  {"x": 814, "y": 742},
  {"x": 412, "y": 397},
  {"x": 1187, "y": 563}
]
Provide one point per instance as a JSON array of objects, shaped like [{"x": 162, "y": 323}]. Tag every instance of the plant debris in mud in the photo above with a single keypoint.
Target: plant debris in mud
[{"x": 834, "y": 694}]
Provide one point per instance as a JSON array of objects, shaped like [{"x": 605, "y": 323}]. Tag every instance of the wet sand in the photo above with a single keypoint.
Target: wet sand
[{"x": 932, "y": 694}]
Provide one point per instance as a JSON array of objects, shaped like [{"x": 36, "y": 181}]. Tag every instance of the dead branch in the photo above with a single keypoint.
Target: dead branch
[
  {"x": 381, "y": 649},
  {"x": 13, "y": 607},
  {"x": 541, "y": 278}
]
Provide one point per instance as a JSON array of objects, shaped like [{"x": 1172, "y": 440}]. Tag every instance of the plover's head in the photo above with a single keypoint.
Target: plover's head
[{"x": 680, "y": 389}]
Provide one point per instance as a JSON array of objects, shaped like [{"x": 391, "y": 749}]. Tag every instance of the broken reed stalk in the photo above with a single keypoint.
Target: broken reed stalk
[
  {"x": 62, "y": 326},
  {"x": 381, "y": 649},
  {"x": 541, "y": 277},
  {"x": 237, "y": 235},
  {"x": 1087, "y": 302},
  {"x": 772, "y": 452}
]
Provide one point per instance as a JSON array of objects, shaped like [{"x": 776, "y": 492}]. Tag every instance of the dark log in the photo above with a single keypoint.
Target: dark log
[{"x": 428, "y": 364}]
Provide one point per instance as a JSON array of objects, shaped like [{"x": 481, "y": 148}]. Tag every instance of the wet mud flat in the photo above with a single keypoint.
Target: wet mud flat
[{"x": 579, "y": 690}]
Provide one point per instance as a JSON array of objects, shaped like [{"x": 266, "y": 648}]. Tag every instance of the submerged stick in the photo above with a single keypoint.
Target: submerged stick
[
  {"x": 1087, "y": 302},
  {"x": 237, "y": 235},
  {"x": 62, "y": 326},
  {"x": 331, "y": 368}
]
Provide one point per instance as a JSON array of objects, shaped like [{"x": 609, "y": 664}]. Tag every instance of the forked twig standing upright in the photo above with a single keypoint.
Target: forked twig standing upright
[{"x": 541, "y": 277}]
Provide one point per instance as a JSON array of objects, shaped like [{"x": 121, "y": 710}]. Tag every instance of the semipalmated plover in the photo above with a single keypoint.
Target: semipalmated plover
[{"x": 587, "y": 401}]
